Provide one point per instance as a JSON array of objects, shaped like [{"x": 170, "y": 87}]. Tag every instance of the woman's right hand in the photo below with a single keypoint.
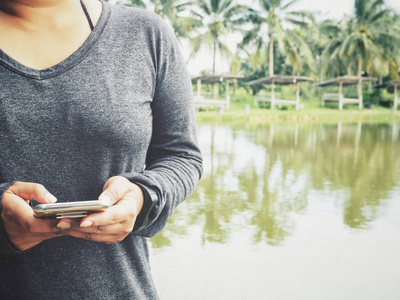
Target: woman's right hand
[{"x": 22, "y": 228}]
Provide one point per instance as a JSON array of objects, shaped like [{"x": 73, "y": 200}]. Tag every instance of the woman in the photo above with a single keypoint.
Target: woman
[{"x": 95, "y": 103}]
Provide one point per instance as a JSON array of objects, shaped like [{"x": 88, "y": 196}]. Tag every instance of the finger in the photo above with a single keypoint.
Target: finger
[
  {"x": 103, "y": 238},
  {"x": 21, "y": 213},
  {"x": 115, "y": 214},
  {"x": 32, "y": 191},
  {"x": 115, "y": 188},
  {"x": 23, "y": 243},
  {"x": 118, "y": 228},
  {"x": 40, "y": 226},
  {"x": 67, "y": 223}
]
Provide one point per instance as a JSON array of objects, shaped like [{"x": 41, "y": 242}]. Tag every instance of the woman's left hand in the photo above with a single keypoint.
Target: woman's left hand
[{"x": 116, "y": 222}]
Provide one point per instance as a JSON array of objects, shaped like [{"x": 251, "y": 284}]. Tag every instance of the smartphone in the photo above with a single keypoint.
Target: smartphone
[{"x": 77, "y": 209}]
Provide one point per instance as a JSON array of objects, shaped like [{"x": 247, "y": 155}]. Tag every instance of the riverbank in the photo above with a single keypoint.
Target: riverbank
[{"x": 320, "y": 115}]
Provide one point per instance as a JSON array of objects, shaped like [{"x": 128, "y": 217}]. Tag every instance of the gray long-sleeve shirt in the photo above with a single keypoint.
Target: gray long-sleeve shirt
[{"x": 120, "y": 105}]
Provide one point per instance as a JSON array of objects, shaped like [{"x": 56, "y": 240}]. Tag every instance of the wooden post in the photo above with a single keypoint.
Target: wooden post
[
  {"x": 360, "y": 97},
  {"x": 395, "y": 98},
  {"x": 227, "y": 95},
  {"x": 340, "y": 95},
  {"x": 272, "y": 95},
  {"x": 298, "y": 96},
  {"x": 215, "y": 90},
  {"x": 199, "y": 87}
]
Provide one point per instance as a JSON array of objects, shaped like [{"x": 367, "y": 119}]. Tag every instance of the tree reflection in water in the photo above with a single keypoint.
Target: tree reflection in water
[{"x": 259, "y": 176}]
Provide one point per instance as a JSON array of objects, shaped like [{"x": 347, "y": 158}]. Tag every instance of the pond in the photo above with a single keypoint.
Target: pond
[{"x": 301, "y": 211}]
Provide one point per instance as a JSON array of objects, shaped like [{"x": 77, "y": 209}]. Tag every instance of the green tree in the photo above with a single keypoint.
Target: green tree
[
  {"x": 175, "y": 11},
  {"x": 135, "y": 3},
  {"x": 271, "y": 22},
  {"x": 370, "y": 36},
  {"x": 218, "y": 18},
  {"x": 317, "y": 36}
]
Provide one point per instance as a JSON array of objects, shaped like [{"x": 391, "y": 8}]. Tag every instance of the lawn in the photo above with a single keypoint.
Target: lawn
[{"x": 312, "y": 111}]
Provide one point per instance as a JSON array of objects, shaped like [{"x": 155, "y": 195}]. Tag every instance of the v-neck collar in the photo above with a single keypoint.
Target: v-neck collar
[{"x": 68, "y": 63}]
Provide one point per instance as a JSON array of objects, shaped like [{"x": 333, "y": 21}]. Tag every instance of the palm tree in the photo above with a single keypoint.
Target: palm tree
[
  {"x": 370, "y": 37},
  {"x": 217, "y": 18},
  {"x": 135, "y": 3},
  {"x": 389, "y": 61},
  {"x": 171, "y": 10},
  {"x": 317, "y": 36},
  {"x": 271, "y": 22},
  {"x": 332, "y": 63},
  {"x": 176, "y": 11}
]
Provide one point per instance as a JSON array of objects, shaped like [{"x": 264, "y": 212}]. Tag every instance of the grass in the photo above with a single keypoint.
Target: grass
[
  {"x": 311, "y": 112},
  {"x": 323, "y": 115}
]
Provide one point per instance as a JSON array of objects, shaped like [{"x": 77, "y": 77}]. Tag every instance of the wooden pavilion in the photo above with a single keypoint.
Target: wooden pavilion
[
  {"x": 275, "y": 98},
  {"x": 389, "y": 85},
  {"x": 202, "y": 100},
  {"x": 342, "y": 82}
]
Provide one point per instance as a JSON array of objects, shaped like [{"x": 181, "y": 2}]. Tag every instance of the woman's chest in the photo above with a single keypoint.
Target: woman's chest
[{"x": 97, "y": 105}]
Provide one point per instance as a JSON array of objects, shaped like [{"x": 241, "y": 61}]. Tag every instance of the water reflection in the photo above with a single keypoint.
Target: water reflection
[{"x": 260, "y": 177}]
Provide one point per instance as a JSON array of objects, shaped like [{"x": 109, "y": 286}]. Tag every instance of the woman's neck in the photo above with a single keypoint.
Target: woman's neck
[
  {"x": 33, "y": 3},
  {"x": 40, "y": 13}
]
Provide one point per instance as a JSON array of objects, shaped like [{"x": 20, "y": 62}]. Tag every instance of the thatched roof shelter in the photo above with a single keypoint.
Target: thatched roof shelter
[
  {"x": 273, "y": 98},
  {"x": 345, "y": 81},
  {"x": 200, "y": 101},
  {"x": 216, "y": 78},
  {"x": 280, "y": 80}
]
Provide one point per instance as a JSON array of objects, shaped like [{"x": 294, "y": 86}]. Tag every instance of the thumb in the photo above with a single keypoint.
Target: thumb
[
  {"x": 115, "y": 188},
  {"x": 32, "y": 191}
]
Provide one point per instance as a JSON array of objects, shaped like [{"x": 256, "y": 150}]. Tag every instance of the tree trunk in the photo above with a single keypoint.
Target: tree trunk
[
  {"x": 359, "y": 67},
  {"x": 215, "y": 85},
  {"x": 214, "y": 57},
  {"x": 271, "y": 54},
  {"x": 359, "y": 84},
  {"x": 321, "y": 76}
]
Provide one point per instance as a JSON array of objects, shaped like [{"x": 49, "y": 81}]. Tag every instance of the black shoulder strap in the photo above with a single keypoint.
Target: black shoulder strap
[{"x": 87, "y": 15}]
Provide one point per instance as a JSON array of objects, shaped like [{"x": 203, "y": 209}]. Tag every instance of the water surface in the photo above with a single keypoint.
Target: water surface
[{"x": 287, "y": 212}]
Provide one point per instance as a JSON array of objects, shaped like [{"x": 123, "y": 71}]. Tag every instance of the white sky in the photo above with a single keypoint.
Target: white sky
[
  {"x": 329, "y": 9},
  {"x": 335, "y": 8}
]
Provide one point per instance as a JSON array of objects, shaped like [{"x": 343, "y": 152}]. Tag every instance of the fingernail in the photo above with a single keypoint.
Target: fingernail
[
  {"x": 50, "y": 198},
  {"x": 87, "y": 224},
  {"x": 106, "y": 199},
  {"x": 63, "y": 225}
]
